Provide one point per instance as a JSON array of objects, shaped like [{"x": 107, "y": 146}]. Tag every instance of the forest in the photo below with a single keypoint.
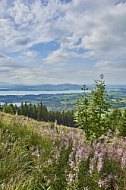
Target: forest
[{"x": 40, "y": 112}]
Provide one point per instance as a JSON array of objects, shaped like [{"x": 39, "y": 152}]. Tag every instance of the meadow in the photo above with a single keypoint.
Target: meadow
[{"x": 41, "y": 156}]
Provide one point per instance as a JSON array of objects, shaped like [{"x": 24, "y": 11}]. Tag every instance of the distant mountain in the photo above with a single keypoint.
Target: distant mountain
[
  {"x": 49, "y": 87},
  {"x": 2, "y": 84},
  {"x": 43, "y": 87}
]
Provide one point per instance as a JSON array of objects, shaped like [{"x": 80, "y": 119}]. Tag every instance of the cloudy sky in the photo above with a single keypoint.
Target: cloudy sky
[{"x": 62, "y": 41}]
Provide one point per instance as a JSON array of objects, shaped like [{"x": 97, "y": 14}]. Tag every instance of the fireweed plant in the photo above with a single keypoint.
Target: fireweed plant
[{"x": 38, "y": 156}]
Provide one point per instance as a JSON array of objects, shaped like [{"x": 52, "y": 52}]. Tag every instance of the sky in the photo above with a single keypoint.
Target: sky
[{"x": 62, "y": 41}]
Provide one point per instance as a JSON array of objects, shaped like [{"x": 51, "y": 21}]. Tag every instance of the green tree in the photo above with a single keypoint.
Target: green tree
[
  {"x": 92, "y": 110},
  {"x": 8, "y": 108},
  {"x": 123, "y": 128},
  {"x": 23, "y": 109},
  {"x": 42, "y": 112}
]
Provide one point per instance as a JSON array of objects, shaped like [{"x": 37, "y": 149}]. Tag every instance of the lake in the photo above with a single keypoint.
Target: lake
[
  {"x": 49, "y": 98},
  {"x": 38, "y": 92}
]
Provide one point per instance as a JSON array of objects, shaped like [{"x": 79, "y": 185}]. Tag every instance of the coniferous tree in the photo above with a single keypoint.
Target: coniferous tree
[
  {"x": 8, "y": 108},
  {"x": 91, "y": 111}
]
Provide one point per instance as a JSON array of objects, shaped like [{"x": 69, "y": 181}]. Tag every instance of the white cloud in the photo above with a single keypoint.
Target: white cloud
[
  {"x": 101, "y": 25},
  {"x": 26, "y": 24},
  {"x": 93, "y": 30},
  {"x": 112, "y": 65},
  {"x": 60, "y": 56},
  {"x": 114, "y": 71},
  {"x": 3, "y": 56},
  {"x": 4, "y": 59},
  {"x": 109, "y": 35},
  {"x": 30, "y": 53}
]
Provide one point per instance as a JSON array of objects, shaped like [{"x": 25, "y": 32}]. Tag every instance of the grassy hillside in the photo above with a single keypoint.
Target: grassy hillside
[{"x": 41, "y": 156}]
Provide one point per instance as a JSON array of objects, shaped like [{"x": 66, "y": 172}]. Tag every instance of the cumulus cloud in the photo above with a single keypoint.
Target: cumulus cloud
[
  {"x": 30, "y": 53},
  {"x": 112, "y": 65},
  {"x": 93, "y": 30},
  {"x": 100, "y": 25},
  {"x": 109, "y": 35},
  {"x": 60, "y": 56}
]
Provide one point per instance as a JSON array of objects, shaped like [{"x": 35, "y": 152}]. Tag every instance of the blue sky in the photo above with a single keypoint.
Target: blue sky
[{"x": 62, "y": 41}]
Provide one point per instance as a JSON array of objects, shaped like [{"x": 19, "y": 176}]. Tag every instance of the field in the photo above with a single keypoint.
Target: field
[{"x": 38, "y": 156}]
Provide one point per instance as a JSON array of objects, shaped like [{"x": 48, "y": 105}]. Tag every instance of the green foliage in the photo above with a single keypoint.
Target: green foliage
[
  {"x": 84, "y": 170},
  {"x": 93, "y": 113},
  {"x": 123, "y": 124},
  {"x": 91, "y": 110},
  {"x": 39, "y": 112},
  {"x": 20, "y": 157},
  {"x": 8, "y": 108},
  {"x": 111, "y": 174},
  {"x": 36, "y": 156}
]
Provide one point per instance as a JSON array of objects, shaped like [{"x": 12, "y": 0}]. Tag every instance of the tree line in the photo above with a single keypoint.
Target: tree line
[{"x": 40, "y": 112}]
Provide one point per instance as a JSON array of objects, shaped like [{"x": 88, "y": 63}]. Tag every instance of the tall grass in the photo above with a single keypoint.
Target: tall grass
[{"x": 39, "y": 156}]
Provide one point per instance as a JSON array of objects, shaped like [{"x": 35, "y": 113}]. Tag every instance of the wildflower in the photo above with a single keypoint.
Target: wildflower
[
  {"x": 36, "y": 152},
  {"x": 123, "y": 160},
  {"x": 50, "y": 161},
  {"x": 70, "y": 178},
  {"x": 100, "y": 163}
]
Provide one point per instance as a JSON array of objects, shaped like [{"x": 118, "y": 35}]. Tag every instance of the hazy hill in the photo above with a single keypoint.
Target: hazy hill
[{"x": 43, "y": 87}]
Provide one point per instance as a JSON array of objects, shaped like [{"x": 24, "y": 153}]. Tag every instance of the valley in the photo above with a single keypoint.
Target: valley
[{"x": 62, "y": 99}]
